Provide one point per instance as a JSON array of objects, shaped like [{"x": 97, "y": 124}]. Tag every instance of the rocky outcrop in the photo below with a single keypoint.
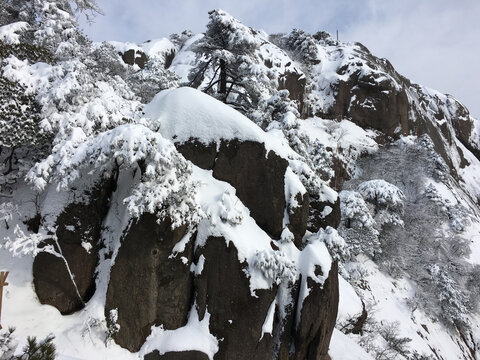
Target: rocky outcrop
[
  {"x": 323, "y": 214},
  {"x": 202, "y": 155},
  {"x": 134, "y": 57},
  {"x": 78, "y": 235},
  {"x": 295, "y": 83},
  {"x": 298, "y": 218},
  {"x": 258, "y": 177},
  {"x": 223, "y": 290},
  {"x": 372, "y": 103},
  {"x": 147, "y": 286},
  {"x": 317, "y": 317},
  {"x": 150, "y": 287}
]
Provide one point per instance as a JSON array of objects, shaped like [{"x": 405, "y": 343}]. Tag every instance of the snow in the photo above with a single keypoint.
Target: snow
[
  {"x": 349, "y": 303},
  {"x": 123, "y": 47},
  {"x": 185, "y": 59},
  {"x": 157, "y": 47},
  {"x": 267, "y": 327},
  {"x": 344, "y": 348},
  {"x": 293, "y": 187},
  {"x": 390, "y": 299},
  {"x": 9, "y": 33},
  {"x": 198, "y": 268},
  {"x": 343, "y": 134},
  {"x": 186, "y": 113},
  {"x": 209, "y": 195},
  {"x": 197, "y": 332}
]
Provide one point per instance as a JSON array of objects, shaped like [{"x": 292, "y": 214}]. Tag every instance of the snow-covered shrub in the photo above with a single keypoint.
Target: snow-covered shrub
[
  {"x": 324, "y": 37},
  {"x": 287, "y": 236},
  {"x": 165, "y": 188},
  {"x": 276, "y": 266},
  {"x": 382, "y": 194},
  {"x": 7, "y": 210},
  {"x": 277, "y": 111},
  {"x": 229, "y": 210},
  {"x": 453, "y": 301},
  {"x": 303, "y": 46},
  {"x": 32, "y": 244},
  {"x": 357, "y": 226},
  {"x": 335, "y": 243},
  {"x": 8, "y": 344},
  {"x": 112, "y": 325},
  {"x": 152, "y": 79},
  {"x": 355, "y": 212},
  {"x": 57, "y": 28},
  {"x": 383, "y": 341},
  {"x": 180, "y": 39}
]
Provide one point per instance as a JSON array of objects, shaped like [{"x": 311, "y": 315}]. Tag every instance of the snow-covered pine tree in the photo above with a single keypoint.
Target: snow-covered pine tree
[
  {"x": 152, "y": 79},
  {"x": 227, "y": 66}
]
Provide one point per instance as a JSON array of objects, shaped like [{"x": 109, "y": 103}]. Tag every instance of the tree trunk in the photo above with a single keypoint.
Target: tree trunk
[{"x": 222, "y": 89}]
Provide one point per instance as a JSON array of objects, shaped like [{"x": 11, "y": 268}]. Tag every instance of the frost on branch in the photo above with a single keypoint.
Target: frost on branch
[
  {"x": 30, "y": 244},
  {"x": 7, "y": 210},
  {"x": 165, "y": 188},
  {"x": 276, "y": 266}
]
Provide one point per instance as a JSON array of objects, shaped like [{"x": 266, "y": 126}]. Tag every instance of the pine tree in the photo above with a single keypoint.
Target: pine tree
[{"x": 227, "y": 58}]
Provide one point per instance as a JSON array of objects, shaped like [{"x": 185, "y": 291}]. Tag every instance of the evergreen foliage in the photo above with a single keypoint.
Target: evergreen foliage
[
  {"x": 38, "y": 350},
  {"x": 227, "y": 66}
]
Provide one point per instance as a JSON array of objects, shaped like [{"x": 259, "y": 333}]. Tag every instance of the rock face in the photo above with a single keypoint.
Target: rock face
[
  {"x": 295, "y": 84},
  {"x": 180, "y": 355},
  {"x": 317, "y": 319},
  {"x": 258, "y": 177},
  {"x": 135, "y": 57},
  {"x": 78, "y": 229},
  {"x": 147, "y": 287},
  {"x": 223, "y": 290},
  {"x": 372, "y": 104},
  {"x": 298, "y": 218},
  {"x": 323, "y": 214}
]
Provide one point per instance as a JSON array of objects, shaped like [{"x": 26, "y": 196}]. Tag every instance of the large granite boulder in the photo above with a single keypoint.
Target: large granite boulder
[
  {"x": 236, "y": 317},
  {"x": 257, "y": 176},
  {"x": 372, "y": 103},
  {"x": 259, "y": 179},
  {"x": 78, "y": 235},
  {"x": 147, "y": 286}
]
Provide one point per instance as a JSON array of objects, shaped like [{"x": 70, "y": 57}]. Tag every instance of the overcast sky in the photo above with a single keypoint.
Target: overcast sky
[{"x": 433, "y": 42}]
